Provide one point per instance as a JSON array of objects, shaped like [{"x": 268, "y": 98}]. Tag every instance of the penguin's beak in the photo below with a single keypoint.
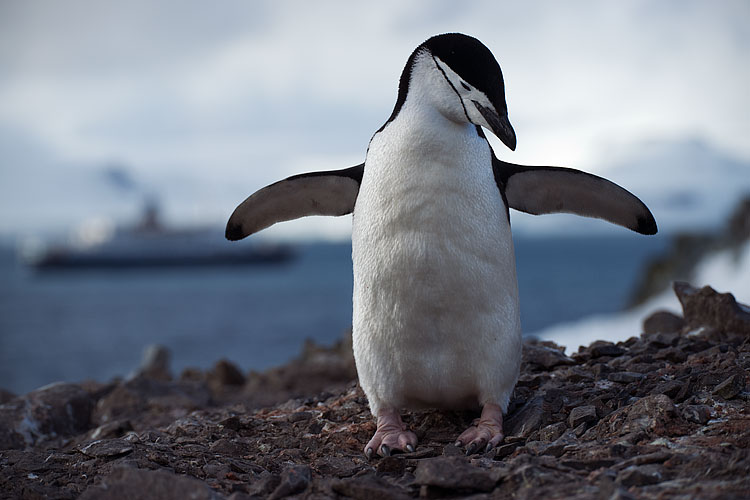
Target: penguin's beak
[{"x": 500, "y": 125}]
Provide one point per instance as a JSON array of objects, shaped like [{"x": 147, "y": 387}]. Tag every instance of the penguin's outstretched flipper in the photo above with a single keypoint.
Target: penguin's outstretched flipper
[
  {"x": 545, "y": 190},
  {"x": 332, "y": 192}
]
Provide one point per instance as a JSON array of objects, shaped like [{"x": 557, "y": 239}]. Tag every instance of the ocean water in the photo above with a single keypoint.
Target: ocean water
[{"x": 95, "y": 324}]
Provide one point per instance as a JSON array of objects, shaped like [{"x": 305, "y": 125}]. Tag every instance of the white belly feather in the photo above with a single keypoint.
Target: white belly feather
[{"x": 436, "y": 316}]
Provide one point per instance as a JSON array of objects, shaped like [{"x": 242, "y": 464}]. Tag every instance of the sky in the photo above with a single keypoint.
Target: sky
[{"x": 202, "y": 103}]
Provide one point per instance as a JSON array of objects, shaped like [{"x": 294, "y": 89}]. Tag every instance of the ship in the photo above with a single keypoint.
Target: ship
[{"x": 151, "y": 244}]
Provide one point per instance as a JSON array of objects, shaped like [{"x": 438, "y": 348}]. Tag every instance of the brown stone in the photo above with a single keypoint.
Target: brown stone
[
  {"x": 544, "y": 356},
  {"x": 528, "y": 419},
  {"x": 226, "y": 373},
  {"x": 107, "y": 448},
  {"x": 650, "y": 414},
  {"x": 602, "y": 348},
  {"x": 730, "y": 387},
  {"x": 455, "y": 473},
  {"x": 369, "y": 487},
  {"x": 52, "y": 411},
  {"x": 132, "y": 484},
  {"x": 718, "y": 312},
  {"x": 696, "y": 413},
  {"x": 640, "y": 475},
  {"x": 582, "y": 415},
  {"x": 294, "y": 479},
  {"x": 552, "y": 431},
  {"x": 625, "y": 377},
  {"x": 663, "y": 322}
]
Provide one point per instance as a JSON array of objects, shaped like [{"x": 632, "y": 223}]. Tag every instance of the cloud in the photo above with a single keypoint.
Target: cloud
[{"x": 243, "y": 90}]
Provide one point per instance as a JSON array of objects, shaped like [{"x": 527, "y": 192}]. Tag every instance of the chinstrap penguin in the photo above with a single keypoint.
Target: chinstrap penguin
[{"x": 436, "y": 318}]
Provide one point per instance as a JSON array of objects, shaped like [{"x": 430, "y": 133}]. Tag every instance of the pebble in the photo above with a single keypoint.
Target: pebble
[
  {"x": 582, "y": 415},
  {"x": 107, "y": 448},
  {"x": 602, "y": 348},
  {"x": 625, "y": 377},
  {"x": 730, "y": 387}
]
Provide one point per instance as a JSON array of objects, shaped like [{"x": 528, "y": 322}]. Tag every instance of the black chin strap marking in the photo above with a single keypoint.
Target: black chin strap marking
[{"x": 453, "y": 87}]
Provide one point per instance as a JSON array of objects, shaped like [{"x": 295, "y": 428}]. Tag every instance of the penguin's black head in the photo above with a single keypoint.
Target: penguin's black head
[
  {"x": 472, "y": 74},
  {"x": 475, "y": 75}
]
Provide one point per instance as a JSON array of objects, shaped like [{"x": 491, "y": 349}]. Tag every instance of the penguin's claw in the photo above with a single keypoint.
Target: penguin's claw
[
  {"x": 391, "y": 435},
  {"x": 472, "y": 448},
  {"x": 484, "y": 433}
]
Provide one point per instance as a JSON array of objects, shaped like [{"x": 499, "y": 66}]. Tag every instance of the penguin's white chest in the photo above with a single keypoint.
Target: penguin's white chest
[{"x": 436, "y": 318}]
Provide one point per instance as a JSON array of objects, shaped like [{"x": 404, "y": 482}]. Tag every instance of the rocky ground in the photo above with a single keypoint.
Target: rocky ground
[{"x": 662, "y": 415}]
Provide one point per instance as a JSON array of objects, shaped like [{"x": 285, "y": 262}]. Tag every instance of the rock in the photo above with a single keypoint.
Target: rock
[
  {"x": 56, "y": 410},
  {"x": 454, "y": 473},
  {"x": 527, "y": 420},
  {"x": 671, "y": 354},
  {"x": 720, "y": 313},
  {"x": 294, "y": 479},
  {"x": 525, "y": 479},
  {"x": 341, "y": 467},
  {"x": 120, "y": 404},
  {"x": 107, "y": 448},
  {"x": 111, "y": 429},
  {"x": 640, "y": 475},
  {"x": 391, "y": 466},
  {"x": 126, "y": 483},
  {"x": 232, "y": 423},
  {"x": 660, "y": 339},
  {"x": 133, "y": 398},
  {"x": 226, "y": 446},
  {"x": 738, "y": 225},
  {"x": 696, "y": 413},
  {"x": 264, "y": 485},
  {"x": 369, "y": 487},
  {"x": 552, "y": 432},
  {"x": 582, "y": 415},
  {"x": 663, "y": 322},
  {"x": 625, "y": 377},
  {"x": 300, "y": 416},
  {"x": 671, "y": 388},
  {"x": 651, "y": 414},
  {"x": 226, "y": 373},
  {"x": 506, "y": 449},
  {"x": 602, "y": 348},
  {"x": 239, "y": 495},
  {"x": 544, "y": 356},
  {"x": 154, "y": 363},
  {"x": 216, "y": 470},
  {"x": 317, "y": 368},
  {"x": 731, "y": 386},
  {"x": 6, "y": 396}
]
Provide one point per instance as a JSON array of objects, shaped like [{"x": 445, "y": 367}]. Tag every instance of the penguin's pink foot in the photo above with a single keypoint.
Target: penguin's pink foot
[
  {"x": 485, "y": 433},
  {"x": 390, "y": 435}
]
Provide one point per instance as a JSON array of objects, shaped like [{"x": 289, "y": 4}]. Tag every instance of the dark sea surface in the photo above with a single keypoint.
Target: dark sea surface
[{"x": 75, "y": 325}]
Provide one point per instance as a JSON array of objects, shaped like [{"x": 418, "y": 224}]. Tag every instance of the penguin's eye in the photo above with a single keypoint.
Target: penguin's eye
[{"x": 465, "y": 85}]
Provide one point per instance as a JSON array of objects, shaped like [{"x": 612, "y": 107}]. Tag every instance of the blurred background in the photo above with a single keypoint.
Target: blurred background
[{"x": 130, "y": 131}]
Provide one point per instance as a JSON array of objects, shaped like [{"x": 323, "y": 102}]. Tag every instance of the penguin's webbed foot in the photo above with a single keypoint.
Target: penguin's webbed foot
[
  {"x": 485, "y": 433},
  {"x": 390, "y": 435}
]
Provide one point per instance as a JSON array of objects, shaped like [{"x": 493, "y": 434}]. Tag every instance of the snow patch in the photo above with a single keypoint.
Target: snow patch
[{"x": 725, "y": 271}]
